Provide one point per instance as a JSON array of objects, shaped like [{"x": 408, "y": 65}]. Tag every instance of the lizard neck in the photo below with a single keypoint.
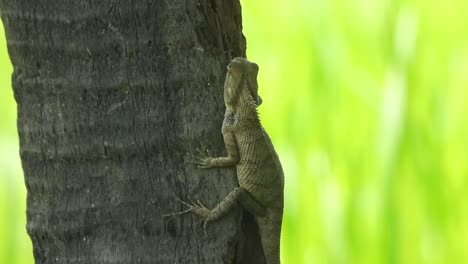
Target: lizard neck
[{"x": 245, "y": 109}]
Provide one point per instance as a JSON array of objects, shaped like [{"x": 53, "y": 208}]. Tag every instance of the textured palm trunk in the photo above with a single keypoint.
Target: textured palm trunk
[{"x": 111, "y": 96}]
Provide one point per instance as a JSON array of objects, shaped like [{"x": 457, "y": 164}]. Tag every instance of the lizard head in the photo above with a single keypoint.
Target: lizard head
[{"x": 241, "y": 73}]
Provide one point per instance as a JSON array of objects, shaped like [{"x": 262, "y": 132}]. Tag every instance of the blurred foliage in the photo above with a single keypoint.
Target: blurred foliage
[
  {"x": 15, "y": 246},
  {"x": 365, "y": 102}
]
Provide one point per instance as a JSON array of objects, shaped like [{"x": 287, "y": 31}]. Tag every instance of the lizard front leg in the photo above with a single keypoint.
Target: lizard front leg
[{"x": 232, "y": 154}]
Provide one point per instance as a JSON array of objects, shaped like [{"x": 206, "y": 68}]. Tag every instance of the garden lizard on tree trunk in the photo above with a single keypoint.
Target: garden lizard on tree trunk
[{"x": 249, "y": 148}]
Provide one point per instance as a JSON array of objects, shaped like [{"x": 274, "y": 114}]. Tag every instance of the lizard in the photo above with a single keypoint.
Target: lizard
[{"x": 250, "y": 150}]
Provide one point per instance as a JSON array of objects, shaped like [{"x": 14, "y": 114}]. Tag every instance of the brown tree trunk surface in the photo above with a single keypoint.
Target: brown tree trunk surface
[{"x": 112, "y": 95}]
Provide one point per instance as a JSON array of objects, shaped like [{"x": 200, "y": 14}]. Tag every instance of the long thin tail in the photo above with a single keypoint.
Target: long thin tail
[{"x": 269, "y": 228}]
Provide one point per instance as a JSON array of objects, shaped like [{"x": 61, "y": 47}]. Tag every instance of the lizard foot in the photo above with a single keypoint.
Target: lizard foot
[
  {"x": 201, "y": 210},
  {"x": 197, "y": 208},
  {"x": 203, "y": 159}
]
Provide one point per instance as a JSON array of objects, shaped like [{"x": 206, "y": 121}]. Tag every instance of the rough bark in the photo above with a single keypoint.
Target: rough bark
[{"x": 112, "y": 95}]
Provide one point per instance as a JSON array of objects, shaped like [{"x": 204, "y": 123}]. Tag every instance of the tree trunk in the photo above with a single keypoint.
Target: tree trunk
[{"x": 113, "y": 96}]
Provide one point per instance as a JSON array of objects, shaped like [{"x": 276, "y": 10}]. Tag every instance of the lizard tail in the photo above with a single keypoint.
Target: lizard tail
[{"x": 269, "y": 227}]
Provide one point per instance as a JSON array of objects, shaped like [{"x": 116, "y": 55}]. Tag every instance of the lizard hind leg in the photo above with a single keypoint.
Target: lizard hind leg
[
  {"x": 240, "y": 195},
  {"x": 222, "y": 208}
]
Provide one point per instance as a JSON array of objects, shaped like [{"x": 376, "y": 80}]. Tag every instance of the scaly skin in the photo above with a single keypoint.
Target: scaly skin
[{"x": 249, "y": 148}]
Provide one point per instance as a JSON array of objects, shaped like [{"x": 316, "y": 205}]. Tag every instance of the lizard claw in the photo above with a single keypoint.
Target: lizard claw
[
  {"x": 170, "y": 215},
  {"x": 208, "y": 153},
  {"x": 204, "y": 223},
  {"x": 196, "y": 207},
  {"x": 200, "y": 210},
  {"x": 202, "y": 160},
  {"x": 200, "y": 204},
  {"x": 205, "y": 227}
]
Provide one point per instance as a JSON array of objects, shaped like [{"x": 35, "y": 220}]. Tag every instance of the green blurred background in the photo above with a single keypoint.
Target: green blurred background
[{"x": 365, "y": 101}]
